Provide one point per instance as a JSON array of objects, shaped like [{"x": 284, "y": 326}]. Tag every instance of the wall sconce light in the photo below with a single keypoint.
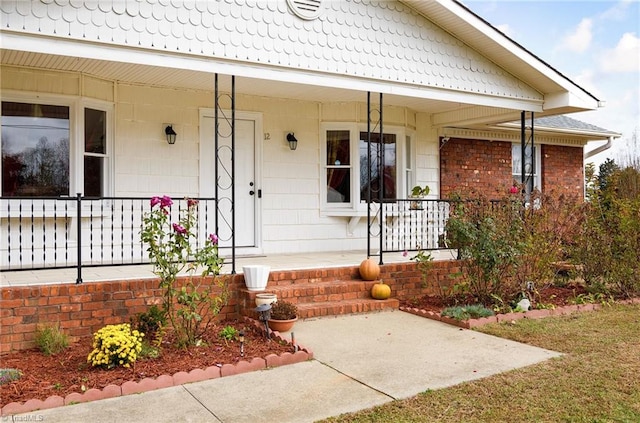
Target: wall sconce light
[
  {"x": 444, "y": 140},
  {"x": 171, "y": 134},
  {"x": 293, "y": 142}
]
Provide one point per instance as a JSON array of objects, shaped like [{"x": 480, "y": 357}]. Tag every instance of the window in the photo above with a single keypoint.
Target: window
[
  {"x": 95, "y": 151},
  {"x": 338, "y": 167},
  {"x": 347, "y": 169},
  {"x": 532, "y": 156},
  {"x": 38, "y": 149},
  {"x": 389, "y": 169},
  {"x": 35, "y": 149}
]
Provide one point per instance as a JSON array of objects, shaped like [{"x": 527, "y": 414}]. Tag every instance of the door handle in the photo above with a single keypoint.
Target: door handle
[{"x": 259, "y": 193}]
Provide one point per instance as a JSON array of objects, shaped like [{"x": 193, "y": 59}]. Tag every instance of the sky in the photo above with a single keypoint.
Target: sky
[{"x": 595, "y": 43}]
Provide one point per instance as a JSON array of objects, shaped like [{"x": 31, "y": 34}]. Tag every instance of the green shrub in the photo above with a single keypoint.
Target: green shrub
[
  {"x": 9, "y": 375},
  {"x": 424, "y": 261},
  {"x": 115, "y": 345},
  {"x": 153, "y": 323},
  {"x": 506, "y": 244},
  {"x": 488, "y": 236},
  {"x": 606, "y": 248},
  {"x": 467, "y": 312},
  {"x": 190, "y": 307},
  {"x": 150, "y": 322},
  {"x": 50, "y": 340},
  {"x": 228, "y": 333}
]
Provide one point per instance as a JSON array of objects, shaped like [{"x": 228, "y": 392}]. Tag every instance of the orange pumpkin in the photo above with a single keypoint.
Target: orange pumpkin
[
  {"x": 380, "y": 291},
  {"x": 369, "y": 270}
]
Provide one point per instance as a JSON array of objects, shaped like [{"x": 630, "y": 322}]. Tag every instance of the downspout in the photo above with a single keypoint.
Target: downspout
[
  {"x": 592, "y": 153},
  {"x": 600, "y": 149}
]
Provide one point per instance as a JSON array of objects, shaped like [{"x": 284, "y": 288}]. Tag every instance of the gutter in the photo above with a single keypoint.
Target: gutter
[{"x": 600, "y": 149}]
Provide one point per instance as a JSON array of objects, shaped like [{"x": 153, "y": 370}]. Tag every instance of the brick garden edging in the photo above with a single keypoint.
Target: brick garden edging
[
  {"x": 166, "y": 381},
  {"x": 511, "y": 317}
]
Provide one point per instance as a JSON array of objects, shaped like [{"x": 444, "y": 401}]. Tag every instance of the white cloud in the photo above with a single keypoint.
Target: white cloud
[
  {"x": 624, "y": 57},
  {"x": 580, "y": 39},
  {"x": 586, "y": 79},
  {"x": 618, "y": 11}
]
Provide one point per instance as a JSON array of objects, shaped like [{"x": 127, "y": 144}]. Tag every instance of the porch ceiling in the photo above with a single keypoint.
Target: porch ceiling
[{"x": 197, "y": 80}]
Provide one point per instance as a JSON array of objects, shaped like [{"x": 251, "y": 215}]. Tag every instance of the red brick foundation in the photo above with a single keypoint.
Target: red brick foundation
[
  {"x": 83, "y": 309},
  {"x": 80, "y": 309}
]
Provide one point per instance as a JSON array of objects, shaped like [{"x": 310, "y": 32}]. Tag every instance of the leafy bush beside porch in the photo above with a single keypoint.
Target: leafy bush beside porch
[{"x": 510, "y": 248}]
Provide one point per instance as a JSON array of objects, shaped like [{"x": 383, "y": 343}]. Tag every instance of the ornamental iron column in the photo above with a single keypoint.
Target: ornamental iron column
[
  {"x": 527, "y": 156},
  {"x": 375, "y": 169},
  {"x": 225, "y": 171}
]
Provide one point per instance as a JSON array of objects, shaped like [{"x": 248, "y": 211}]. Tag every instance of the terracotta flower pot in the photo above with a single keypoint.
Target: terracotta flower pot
[{"x": 282, "y": 325}]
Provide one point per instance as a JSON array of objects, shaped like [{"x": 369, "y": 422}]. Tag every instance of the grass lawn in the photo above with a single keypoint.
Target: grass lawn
[{"x": 597, "y": 380}]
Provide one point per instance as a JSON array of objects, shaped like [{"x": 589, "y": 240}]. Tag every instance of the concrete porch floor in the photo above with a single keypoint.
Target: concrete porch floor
[{"x": 276, "y": 261}]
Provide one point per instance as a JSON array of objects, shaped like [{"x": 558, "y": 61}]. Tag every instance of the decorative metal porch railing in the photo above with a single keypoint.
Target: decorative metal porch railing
[
  {"x": 66, "y": 232},
  {"x": 414, "y": 224},
  {"x": 63, "y": 232}
]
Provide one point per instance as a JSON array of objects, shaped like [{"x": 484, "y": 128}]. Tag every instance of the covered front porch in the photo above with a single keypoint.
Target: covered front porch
[
  {"x": 370, "y": 123},
  {"x": 277, "y": 262}
]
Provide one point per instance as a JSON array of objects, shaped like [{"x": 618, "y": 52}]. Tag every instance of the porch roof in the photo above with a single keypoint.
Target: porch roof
[
  {"x": 492, "y": 43},
  {"x": 149, "y": 65}
]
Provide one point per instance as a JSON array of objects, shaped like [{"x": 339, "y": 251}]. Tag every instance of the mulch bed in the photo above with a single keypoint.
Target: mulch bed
[
  {"x": 549, "y": 296},
  {"x": 68, "y": 372}
]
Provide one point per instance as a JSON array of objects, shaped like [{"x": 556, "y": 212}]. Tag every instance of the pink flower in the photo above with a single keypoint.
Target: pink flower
[
  {"x": 405, "y": 253},
  {"x": 513, "y": 190},
  {"x": 179, "y": 229},
  {"x": 213, "y": 238},
  {"x": 191, "y": 202},
  {"x": 165, "y": 201}
]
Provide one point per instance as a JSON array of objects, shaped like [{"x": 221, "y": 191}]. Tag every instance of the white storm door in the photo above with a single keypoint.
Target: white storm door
[{"x": 246, "y": 190}]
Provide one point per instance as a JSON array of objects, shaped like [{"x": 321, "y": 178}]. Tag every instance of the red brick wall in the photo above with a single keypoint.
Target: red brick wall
[
  {"x": 484, "y": 166},
  {"x": 80, "y": 309},
  {"x": 562, "y": 169},
  {"x": 83, "y": 309},
  {"x": 475, "y": 165}
]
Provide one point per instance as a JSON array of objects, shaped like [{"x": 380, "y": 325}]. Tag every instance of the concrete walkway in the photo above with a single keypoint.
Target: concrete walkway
[{"x": 359, "y": 361}]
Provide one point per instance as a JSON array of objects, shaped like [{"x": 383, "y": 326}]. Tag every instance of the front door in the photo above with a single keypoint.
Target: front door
[{"x": 247, "y": 189}]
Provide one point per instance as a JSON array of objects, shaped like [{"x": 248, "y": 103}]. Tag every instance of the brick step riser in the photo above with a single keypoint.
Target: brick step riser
[
  {"x": 308, "y": 310},
  {"x": 297, "y": 277},
  {"x": 336, "y": 291}
]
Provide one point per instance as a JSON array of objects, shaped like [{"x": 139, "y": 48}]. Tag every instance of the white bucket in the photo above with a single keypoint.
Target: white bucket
[{"x": 256, "y": 277}]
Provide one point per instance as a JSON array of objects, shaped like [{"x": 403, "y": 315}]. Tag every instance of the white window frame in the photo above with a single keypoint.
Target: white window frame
[
  {"x": 76, "y": 107},
  {"x": 356, "y": 207},
  {"x": 107, "y": 182}
]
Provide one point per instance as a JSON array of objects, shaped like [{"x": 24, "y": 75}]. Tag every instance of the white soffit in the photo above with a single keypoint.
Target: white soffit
[
  {"x": 149, "y": 67},
  {"x": 477, "y": 33}
]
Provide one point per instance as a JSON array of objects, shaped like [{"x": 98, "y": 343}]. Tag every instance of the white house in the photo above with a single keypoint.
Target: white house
[{"x": 91, "y": 88}]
